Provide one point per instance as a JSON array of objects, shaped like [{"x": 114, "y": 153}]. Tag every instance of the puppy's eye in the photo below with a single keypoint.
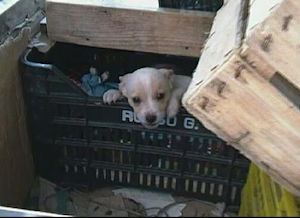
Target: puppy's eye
[
  {"x": 160, "y": 96},
  {"x": 136, "y": 100}
]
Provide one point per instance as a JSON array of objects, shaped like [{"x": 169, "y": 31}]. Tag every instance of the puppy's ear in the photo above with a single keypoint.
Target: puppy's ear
[
  {"x": 123, "y": 84},
  {"x": 169, "y": 74}
]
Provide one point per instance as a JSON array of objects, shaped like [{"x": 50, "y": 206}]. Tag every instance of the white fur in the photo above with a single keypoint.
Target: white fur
[
  {"x": 111, "y": 96},
  {"x": 143, "y": 83},
  {"x": 180, "y": 86}
]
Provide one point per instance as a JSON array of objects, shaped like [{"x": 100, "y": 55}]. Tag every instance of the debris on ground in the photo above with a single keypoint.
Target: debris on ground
[{"x": 118, "y": 202}]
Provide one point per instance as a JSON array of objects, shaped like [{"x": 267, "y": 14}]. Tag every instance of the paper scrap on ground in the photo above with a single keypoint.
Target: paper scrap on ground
[{"x": 152, "y": 200}]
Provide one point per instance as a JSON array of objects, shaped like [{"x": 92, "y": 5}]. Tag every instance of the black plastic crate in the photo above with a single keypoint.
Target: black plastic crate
[
  {"x": 201, "y": 5},
  {"x": 79, "y": 141}
]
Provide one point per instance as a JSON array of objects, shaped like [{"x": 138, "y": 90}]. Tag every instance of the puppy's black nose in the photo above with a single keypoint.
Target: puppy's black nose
[{"x": 150, "y": 118}]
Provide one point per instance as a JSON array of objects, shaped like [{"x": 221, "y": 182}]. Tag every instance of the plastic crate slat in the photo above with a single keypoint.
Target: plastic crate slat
[
  {"x": 74, "y": 162},
  {"x": 111, "y": 166},
  {"x": 71, "y": 142},
  {"x": 66, "y": 99},
  {"x": 211, "y": 158},
  {"x": 159, "y": 172},
  {"x": 138, "y": 127},
  {"x": 209, "y": 179},
  {"x": 111, "y": 145},
  {"x": 69, "y": 121},
  {"x": 159, "y": 151}
]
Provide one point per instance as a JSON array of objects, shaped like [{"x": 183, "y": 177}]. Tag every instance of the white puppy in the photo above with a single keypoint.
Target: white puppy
[{"x": 153, "y": 94}]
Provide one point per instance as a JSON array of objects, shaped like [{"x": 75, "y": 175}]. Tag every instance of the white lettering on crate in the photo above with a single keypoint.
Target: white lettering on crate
[
  {"x": 188, "y": 122},
  {"x": 129, "y": 116}
]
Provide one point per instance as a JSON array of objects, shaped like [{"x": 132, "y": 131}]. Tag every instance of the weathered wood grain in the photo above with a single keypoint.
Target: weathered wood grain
[
  {"x": 244, "y": 98},
  {"x": 97, "y": 24},
  {"x": 225, "y": 37},
  {"x": 272, "y": 43}
]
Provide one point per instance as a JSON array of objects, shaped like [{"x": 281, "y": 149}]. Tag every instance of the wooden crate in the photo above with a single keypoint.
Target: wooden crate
[
  {"x": 246, "y": 85},
  {"x": 128, "y": 26}
]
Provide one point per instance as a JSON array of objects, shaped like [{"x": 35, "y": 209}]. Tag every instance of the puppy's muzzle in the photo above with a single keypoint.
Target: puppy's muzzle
[{"x": 151, "y": 118}]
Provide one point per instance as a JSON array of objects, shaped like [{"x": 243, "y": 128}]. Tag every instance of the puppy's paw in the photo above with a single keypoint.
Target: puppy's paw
[
  {"x": 111, "y": 96},
  {"x": 173, "y": 108}
]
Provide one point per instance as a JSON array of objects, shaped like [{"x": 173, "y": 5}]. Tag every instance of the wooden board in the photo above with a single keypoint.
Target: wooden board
[
  {"x": 225, "y": 37},
  {"x": 6, "y": 4},
  {"x": 242, "y": 105},
  {"x": 13, "y": 15},
  {"x": 16, "y": 161},
  {"x": 273, "y": 39},
  {"x": 107, "y": 25}
]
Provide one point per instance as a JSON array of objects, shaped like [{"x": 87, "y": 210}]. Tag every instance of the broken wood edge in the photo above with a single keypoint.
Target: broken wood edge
[
  {"x": 259, "y": 40},
  {"x": 268, "y": 8},
  {"x": 192, "y": 89},
  {"x": 18, "y": 15},
  {"x": 241, "y": 23}
]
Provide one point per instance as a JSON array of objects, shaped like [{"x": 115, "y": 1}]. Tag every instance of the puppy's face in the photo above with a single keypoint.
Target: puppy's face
[{"x": 148, "y": 91}]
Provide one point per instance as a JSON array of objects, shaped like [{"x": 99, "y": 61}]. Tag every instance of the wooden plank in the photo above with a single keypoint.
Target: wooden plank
[
  {"x": 4, "y": 5},
  {"x": 13, "y": 14},
  {"x": 16, "y": 161},
  {"x": 259, "y": 11},
  {"x": 164, "y": 31},
  {"x": 129, "y": 4},
  {"x": 246, "y": 106},
  {"x": 272, "y": 39},
  {"x": 225, "y": 37}
]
